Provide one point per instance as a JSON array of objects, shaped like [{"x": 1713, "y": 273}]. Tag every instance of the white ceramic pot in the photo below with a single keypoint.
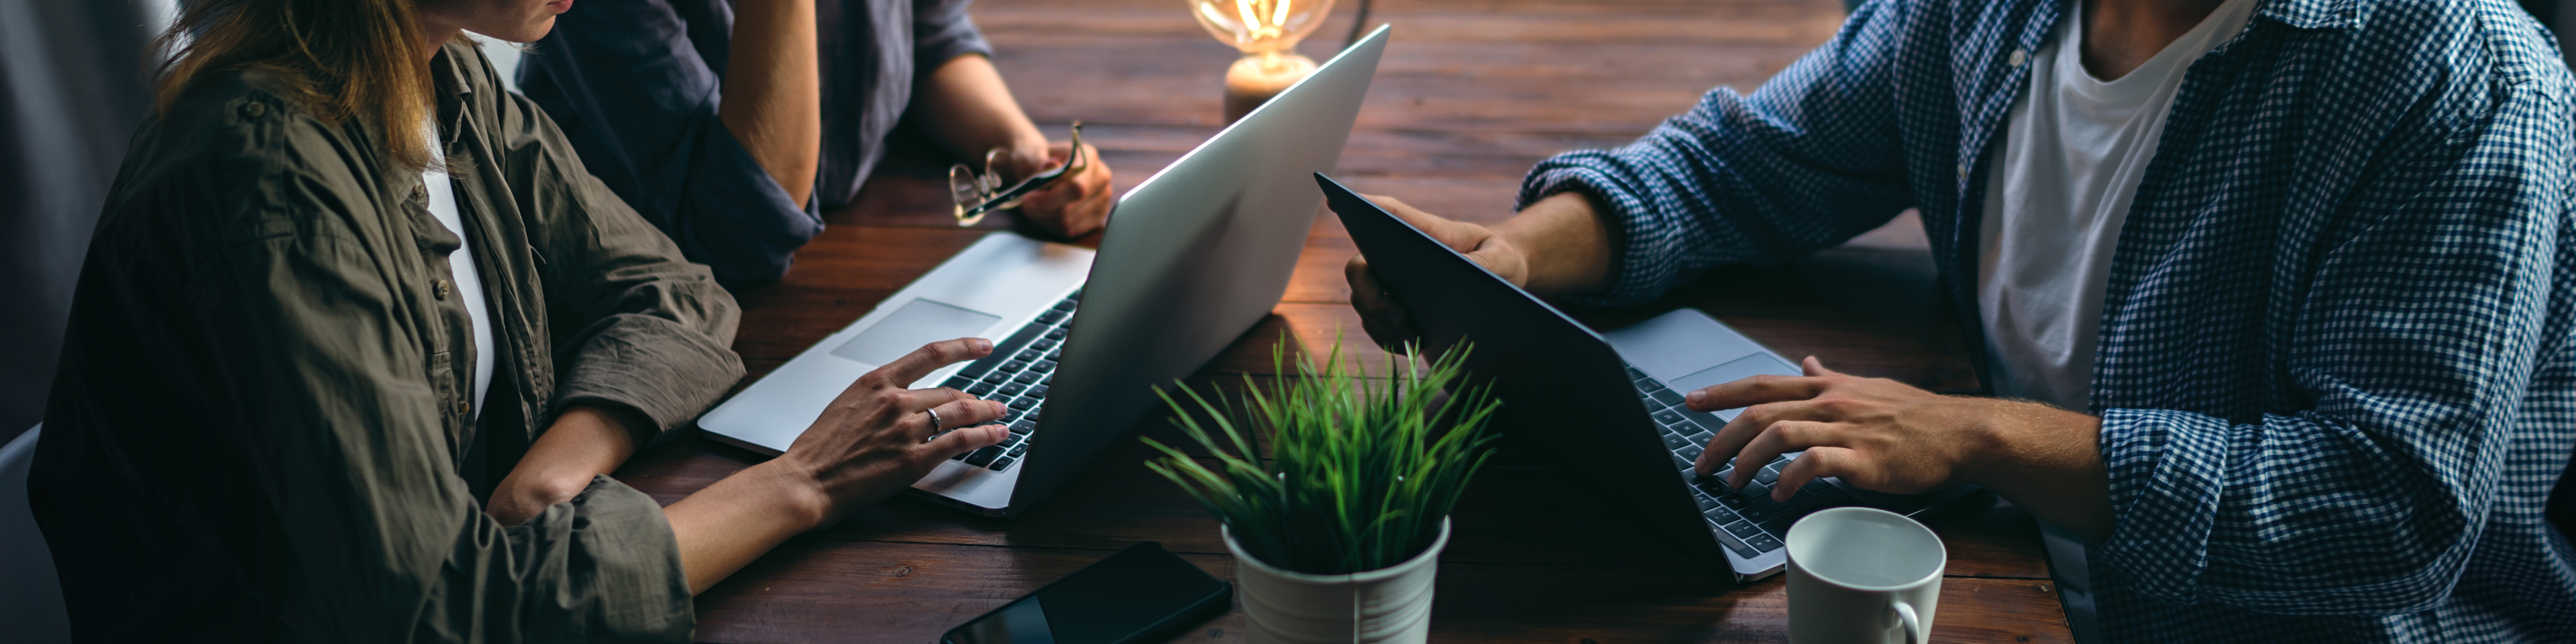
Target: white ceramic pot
[{"x": 1385, "y": 605}]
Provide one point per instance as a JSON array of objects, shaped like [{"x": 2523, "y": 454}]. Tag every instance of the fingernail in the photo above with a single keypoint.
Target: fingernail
[
  {"x": 1696, "y": 395},
  {"x": 983, "y": 344}
]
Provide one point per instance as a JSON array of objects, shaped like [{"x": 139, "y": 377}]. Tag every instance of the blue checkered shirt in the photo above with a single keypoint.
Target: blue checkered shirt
[{"x": 2334, "y": 375}]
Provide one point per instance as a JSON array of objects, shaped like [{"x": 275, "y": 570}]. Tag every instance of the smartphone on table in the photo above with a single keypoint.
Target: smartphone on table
[{"x": 1141, "y": 594}]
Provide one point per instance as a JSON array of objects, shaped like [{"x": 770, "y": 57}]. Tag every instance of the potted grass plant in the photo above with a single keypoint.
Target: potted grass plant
[{"x": 1337, "y": 534}]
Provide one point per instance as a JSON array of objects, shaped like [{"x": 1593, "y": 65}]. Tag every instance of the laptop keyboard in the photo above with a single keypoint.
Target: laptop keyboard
[
  {"x": 1747, "y": 521},
  {"x": 1017, "y": 375}
]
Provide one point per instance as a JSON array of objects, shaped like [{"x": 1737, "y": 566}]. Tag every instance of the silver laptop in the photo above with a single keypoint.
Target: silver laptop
[{"x": 1192, "y": 258}]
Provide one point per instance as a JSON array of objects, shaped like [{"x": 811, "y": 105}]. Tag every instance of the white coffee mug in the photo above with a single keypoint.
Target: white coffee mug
[{"x": 1862, "y": 575}]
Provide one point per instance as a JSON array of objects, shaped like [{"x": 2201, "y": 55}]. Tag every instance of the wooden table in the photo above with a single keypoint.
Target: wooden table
[{"x": 1469, "y": 96}]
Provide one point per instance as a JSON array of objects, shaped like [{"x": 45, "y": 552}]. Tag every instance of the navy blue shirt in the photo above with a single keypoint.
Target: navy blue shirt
[{"x": 635, "y": 85}]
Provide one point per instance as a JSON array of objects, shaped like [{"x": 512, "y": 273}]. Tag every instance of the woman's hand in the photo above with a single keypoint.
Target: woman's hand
[
  {"x": 1073, "y": 206},
  {"x": 871, "y": 442},
  {"x": 874, "y": 440}
]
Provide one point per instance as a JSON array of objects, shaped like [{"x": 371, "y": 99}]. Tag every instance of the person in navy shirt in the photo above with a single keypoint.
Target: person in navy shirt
[{"x": 705, "y": 115}]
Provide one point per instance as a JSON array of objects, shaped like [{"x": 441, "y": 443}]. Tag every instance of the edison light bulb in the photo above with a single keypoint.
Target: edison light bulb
[{"x": 1267, "y": 32}]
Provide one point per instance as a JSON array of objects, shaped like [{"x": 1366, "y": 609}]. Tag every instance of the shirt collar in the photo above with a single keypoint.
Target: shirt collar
[
  {"x": 451, "y": 86},
  {"x": 2312, "y": 14}
]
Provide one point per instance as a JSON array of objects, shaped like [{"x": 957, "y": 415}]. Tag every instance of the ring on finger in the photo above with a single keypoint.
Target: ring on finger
[{"x": 934, "y": 425}]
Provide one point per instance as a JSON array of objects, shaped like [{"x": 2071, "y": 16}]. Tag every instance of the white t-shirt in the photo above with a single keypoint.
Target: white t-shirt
[
  {"x": 2074, "y": 150},
  {"x": 460, "y": 263}
]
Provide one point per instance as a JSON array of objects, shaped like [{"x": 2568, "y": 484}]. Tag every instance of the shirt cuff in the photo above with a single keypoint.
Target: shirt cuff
[
  {"x": 619, "y": 567},
  {"x": 653, "y": 365},
  {"x": 2167, "y": 470},
  {"x": 1629, "y": 286}
]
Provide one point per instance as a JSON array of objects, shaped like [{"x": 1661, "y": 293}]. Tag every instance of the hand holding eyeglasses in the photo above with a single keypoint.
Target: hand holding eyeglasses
[{"x": 1066, "y": 192}]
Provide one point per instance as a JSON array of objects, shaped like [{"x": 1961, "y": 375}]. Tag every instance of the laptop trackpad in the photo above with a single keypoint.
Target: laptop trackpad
[
  {"x": 1737, "y": 369},
  {"x": 919, "y": 322}
]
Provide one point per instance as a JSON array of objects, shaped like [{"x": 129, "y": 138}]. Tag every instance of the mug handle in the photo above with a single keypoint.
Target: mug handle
[{"x": 1914, "y": 631}]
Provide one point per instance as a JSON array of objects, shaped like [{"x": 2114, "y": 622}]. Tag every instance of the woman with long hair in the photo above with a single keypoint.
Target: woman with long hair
[{"x": 358, "y": 338}]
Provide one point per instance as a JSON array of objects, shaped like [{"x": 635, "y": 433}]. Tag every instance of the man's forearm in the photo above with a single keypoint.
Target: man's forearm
[
  {"x": 1566, "y": 244},
  {"x": 971, "y": 111},
  {"x": 773, "y": 95}
]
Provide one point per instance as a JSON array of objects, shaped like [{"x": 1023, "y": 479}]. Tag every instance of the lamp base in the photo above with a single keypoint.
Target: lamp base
[{"x": 1254, "y": 79}]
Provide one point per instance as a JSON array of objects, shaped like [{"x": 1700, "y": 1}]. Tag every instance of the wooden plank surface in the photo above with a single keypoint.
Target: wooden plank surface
[{"x": 1470, "y": 95}]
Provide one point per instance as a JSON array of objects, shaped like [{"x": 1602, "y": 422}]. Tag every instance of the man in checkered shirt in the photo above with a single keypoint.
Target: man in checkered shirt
[{"x": 2270, "y": 291}]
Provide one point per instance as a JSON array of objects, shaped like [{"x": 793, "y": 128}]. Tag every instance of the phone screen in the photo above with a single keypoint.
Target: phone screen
[{"x": 1141, "y": 592}]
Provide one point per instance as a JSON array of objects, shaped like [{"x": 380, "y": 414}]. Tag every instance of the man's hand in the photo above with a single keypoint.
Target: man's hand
[
  {"x": 874, "y": 439},
  {"x": 1073, "y": 206},
  {"x": 1885, "y": 436},
  {"x": 1386, "y": 322}
]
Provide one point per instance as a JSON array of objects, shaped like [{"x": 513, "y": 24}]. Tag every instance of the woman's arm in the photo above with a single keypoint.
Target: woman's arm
[
  {"x": 585, "y": 441},
  {"x": 773, "y": 95},
  {"x": 871, "y": 442}
]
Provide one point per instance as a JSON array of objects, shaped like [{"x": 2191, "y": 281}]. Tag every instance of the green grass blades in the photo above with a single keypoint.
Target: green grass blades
[{"x": 1361, "y": 470}]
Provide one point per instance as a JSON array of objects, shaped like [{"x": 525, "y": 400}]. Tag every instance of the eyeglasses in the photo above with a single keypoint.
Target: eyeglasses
[{"x": 980, "y": 194}]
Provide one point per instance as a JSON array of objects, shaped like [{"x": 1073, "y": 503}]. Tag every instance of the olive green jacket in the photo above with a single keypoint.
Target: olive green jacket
[{"x": 261, "y": 428}]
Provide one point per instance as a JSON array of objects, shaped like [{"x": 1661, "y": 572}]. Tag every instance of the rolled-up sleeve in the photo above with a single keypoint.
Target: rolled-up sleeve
[
  {"x": 635, "y": 91},
  {"x": 2412, "y": 348},
  {"x": 635, "y": 324},
  {"x": 941, "y": 30},
  {"x": 1802, "y": 164},
  {"x": 352, "y": 451}
]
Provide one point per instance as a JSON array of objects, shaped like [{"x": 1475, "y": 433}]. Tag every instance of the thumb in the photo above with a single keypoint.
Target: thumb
[{"x": 967, "y": 440}]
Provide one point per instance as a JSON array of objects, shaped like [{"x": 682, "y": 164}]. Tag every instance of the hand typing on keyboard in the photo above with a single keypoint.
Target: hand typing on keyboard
[{"x": 1885, "y": 436}]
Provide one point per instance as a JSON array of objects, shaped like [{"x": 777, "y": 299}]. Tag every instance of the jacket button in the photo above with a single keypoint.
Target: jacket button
[
  {"x": 2018, "y": 57},
  {"x": 253, "y": 110},
  {"x": 438, "y": 289},
  {"x": 464, "y": 407}
]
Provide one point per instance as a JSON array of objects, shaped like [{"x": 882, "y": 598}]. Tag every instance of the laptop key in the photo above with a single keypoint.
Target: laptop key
[
  {"x": 1688, "y": 452},
  {"x": 1024, "y": 403},
  {"x": 983, "y": 457},
  {"x": 959, "y": 383},
  {"x": 1052, "y": 316},
  {"x": 1013, "y": 389},
  {"x": 1734, "y": 544},
  {"x": 1634, "y": 374},
  {"x": 1767, "y": 476},
  {"x": 1030, "y": 355},
  {"x": 1706, "y": 502},
  {"x": 980, "y": 389},
  {"x": 1056, "y": 334},
  {"x": 1667, "y": 397},
  {"x": 1017, "y": 451},
  {"x": 1038, "y": 391},
  {"x": 1044, "y": 344},
  {"x": 1057, "y": 354},
  {"x": 1001, "y": 351},
  {"x": 1024, "y": 426},
  {"x": 999, "y": 464},
  {"x": 1683, "y": 463},
  {"x": 1721, "y": 515},
  {"x": 1025, "y": 377},
  {"x": 1806, "y": 500},
  {"x": 1014, "y": 366},
  {"x": 1066, "y": 306},
  {"x": 1763, "y": 543},
  {"x": 1673, "y": 441},
  {"x": 1733, "y": 500},
  {"x": 1667, "y": 418},
  {"x": 1044, "y": 365},
  {"x": 1739, "y": 528}
]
